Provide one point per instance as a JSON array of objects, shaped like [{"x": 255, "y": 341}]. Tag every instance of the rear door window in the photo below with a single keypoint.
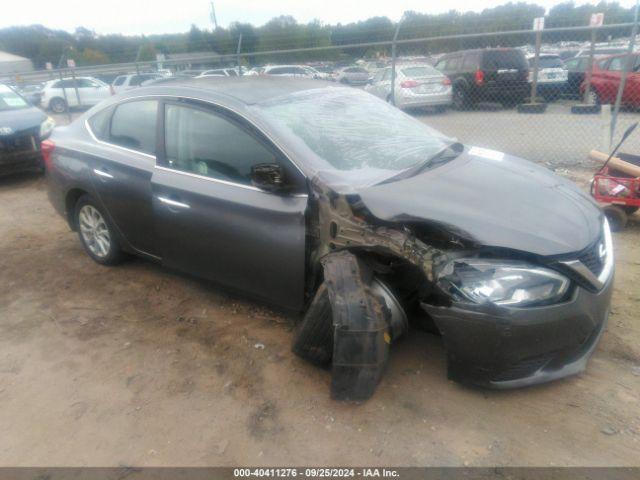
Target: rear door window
[
  {"x": 504, "y": 60},
  {"x": 133, "y": 126},
  {"x": 453, "y": 64}
]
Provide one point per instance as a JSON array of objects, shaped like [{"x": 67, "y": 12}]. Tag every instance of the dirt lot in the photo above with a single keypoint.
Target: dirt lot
[{"x": 136, "y": 365}]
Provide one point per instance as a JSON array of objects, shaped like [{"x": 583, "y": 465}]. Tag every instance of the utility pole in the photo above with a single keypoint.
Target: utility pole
[
  {"x": 627, "y": 66},
  {"x": 394, "y": 54},
  {"x": 238, "y": 55},
  {"x": 212, "y": 15}
]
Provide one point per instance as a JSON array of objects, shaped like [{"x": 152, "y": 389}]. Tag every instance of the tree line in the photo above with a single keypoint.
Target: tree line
[{"x": 41, "y": 44}]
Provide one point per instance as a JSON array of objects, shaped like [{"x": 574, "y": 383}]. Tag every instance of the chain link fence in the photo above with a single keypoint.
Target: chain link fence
[{"x": 549, "y": 96}]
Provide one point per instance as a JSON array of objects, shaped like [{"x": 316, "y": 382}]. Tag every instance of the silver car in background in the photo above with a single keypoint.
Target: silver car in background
[
  {"x": 417, "y": 85},
  {"x": 353, "y": 76}
]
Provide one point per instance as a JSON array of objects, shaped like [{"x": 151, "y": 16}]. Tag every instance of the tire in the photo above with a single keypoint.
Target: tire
[
  {"x": 460, "y": 100},
  {"x": 97, "y": 235},
  {"x": 594, "y": 97},
  {"x": 630, "y": 209},
  {"x": 314, "y": 337},
  {"x": 616, "y": 216},
  {"x": 58, "y": 105}
]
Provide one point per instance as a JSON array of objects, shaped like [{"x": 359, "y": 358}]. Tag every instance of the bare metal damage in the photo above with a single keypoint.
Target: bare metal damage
[{"x": 360, "y": 319}]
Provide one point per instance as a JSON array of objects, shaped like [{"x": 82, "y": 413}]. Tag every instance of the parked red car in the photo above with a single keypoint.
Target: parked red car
[{"x": 605, "y": 80}]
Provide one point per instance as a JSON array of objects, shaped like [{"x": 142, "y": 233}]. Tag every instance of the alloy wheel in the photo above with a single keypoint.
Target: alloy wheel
[
  {"x": 94, "y": 231},
  {"x": 58, "y": 105}
]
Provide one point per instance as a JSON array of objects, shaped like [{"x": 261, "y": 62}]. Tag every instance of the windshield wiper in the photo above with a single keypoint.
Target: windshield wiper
[{"x": 448, "y": 153}]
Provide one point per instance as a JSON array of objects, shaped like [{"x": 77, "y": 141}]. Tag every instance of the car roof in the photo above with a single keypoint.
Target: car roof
[
  {"x": 248, "y": 90},
  {"x": 473, "y": 50}
]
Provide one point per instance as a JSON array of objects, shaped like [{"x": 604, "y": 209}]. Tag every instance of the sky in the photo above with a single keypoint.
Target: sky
[{"x": 133, "y": 17}]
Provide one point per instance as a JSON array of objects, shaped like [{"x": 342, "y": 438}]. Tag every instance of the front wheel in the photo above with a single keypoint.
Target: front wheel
[
  {"x": 58, "y": 105},
  {"x": 96, "y": 234}
]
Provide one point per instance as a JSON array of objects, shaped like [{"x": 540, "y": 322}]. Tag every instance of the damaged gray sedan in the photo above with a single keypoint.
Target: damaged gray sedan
[{"x": 326, "y": 200}]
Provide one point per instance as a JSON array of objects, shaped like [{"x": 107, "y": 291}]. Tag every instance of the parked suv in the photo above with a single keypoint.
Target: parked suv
[
  {"x": 493, "y": 74},
  {"x": 552, "y": 75},
  {"x": 58, "y": 95}
]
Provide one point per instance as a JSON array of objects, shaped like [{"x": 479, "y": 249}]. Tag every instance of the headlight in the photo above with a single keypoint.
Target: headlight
[
  {"x": 509, "y": 283},
  {"x": 46, "y": 127}
]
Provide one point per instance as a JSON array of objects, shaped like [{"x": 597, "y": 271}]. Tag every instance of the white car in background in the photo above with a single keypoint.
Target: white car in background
[
  {"x": 220, "y": 72},
  {"x": 417, "y": 85},
  {"x": 353, "y": 76},
  {"x": 58, "y": 95},
  {"x": 300, "y": 71},
  {"x": 552, "y": 75},
  {"x": 133, "y": 80}
]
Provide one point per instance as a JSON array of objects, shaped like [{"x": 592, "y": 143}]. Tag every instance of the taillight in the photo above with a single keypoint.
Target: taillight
[
  {"x": 47, "y": 147},
  {"x": 479, "y": 77},
  {"x": 409, "y": 84},
  {"x": 446, "y": 81}
]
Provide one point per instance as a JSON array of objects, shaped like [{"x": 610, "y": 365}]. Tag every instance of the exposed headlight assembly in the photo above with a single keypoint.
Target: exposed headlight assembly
[
  {"x": 46, "y": 127},
  {"x": 508, "y": 283}
]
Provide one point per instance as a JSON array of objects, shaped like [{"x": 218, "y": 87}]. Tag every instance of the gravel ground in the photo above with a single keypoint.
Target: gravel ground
[{"x": 137, "y": 365}]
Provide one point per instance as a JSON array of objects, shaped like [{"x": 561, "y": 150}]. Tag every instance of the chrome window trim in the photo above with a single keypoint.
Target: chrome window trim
[
  {"x": 225, "y": 107},
  {"x": 225, "y": 182},
  {"x": 108, "y": 144}
]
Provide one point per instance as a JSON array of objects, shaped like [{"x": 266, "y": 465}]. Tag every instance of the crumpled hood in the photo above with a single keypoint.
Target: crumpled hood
[
  {"x": 497, "y": 200},
  {"x": 22, "y": 118}
]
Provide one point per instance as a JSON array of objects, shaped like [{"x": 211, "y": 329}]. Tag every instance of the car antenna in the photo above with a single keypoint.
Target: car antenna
[{"x": 625, "y": 135}]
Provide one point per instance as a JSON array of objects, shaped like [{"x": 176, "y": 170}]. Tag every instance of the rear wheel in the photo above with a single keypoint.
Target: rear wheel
[
  {"x": 616, "y": 216},
  {"x": 96, "y": 234},
  {"x": 58, "y": 105},
  {"x": 460, "y": 98}
]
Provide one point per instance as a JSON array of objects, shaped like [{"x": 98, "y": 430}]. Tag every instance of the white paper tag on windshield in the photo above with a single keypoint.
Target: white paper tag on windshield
[
  {"x": 14, "y": 101},
  {"x": 486, "y": 153}
]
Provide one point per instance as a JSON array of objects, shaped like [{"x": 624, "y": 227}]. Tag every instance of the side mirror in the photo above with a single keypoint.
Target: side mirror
[{"x": 267, "y": 176}]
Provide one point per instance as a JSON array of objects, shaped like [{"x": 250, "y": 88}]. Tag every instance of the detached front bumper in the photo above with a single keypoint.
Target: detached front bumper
[{"x": 499, "y": 347}]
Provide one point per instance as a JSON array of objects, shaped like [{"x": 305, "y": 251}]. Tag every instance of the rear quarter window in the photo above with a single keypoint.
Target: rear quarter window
[
  {"x": 133, "y": 125},
  {"x": 99, "y": 123}
]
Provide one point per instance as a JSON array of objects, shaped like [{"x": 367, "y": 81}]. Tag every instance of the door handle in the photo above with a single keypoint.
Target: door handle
[
  {"x": 173, "y": 203},
  {"x": 102, "y": 173}
]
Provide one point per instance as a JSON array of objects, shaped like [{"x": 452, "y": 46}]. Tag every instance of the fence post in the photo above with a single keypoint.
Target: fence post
[
  {"x": 592, "y": 49},
  {"x": 138, "y": 59},
  {"x": 536, "y": 58},
  {"x": 394, "y": 54},
  {"x": 238, "y": 54},
  {"x": 64, "y": 94},
  {"x": 75, "y": 87},
  {"x": 605, "y": 120},
  {"x": 625, "y": 69}
]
